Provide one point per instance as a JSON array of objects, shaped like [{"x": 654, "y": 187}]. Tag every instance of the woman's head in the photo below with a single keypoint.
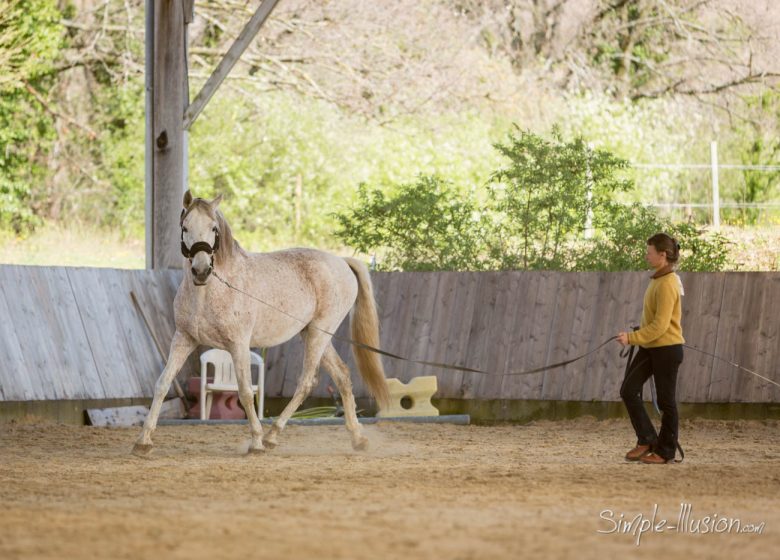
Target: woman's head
[{"x": 662, "y": 249}]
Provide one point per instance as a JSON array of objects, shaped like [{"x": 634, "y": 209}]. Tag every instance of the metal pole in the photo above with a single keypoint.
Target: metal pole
[
  {"x": 715, "y": 187},
  {"x": 149, "y": 137}
]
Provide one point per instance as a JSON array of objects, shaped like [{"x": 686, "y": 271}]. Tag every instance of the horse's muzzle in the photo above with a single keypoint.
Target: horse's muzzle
[{"x": 200, "y": 278}]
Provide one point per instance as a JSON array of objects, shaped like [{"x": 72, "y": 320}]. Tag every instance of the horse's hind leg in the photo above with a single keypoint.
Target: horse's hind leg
[
  {"x": 314, "y": 345},
  {"x": 339, "y": 371},
  {"x": 181, "y": 347}
]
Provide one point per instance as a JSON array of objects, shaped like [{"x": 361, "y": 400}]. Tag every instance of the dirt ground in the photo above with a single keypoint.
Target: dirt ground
[{"x": 543, "y": 490}]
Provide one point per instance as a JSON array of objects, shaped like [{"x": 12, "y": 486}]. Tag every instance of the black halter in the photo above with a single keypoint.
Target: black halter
[{"x": 189, "y": 253}]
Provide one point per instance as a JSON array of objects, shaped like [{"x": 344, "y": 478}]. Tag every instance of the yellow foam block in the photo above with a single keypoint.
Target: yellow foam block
[{"x": 411, "y": 399}]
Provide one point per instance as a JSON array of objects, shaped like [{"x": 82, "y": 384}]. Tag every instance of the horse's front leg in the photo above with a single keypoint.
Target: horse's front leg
[
  {"x": 242, "y": 364},
  {"x": 181, "y": 347}
]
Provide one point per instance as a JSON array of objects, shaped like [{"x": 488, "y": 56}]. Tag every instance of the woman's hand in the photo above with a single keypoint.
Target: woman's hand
[{"x": 623, "y": 338}]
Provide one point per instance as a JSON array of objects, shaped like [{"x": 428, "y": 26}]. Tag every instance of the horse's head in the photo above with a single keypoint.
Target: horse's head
[{"x": 200, "y": 235}]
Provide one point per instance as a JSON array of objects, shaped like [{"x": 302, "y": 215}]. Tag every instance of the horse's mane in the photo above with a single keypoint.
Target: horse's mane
[{"x": 228, "y": 245}]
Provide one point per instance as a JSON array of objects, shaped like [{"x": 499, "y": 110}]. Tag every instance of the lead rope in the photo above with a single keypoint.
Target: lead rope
[
  {"x": 401, "y": 358},
  {"x": 440, "y": 365}
]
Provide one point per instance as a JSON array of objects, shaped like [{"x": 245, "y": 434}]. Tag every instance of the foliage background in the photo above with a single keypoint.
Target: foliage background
[{"x": 334, "y": 95}]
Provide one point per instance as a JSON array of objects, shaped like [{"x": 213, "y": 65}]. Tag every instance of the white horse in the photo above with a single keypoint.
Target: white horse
[{"x": 307, "y": 285}]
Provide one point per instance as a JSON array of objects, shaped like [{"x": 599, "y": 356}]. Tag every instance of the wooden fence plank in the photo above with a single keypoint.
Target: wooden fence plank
[
  {"x": 479, "y": 337},
  {"x": 523, "y": 307},
  {"x": 727, "y": 338},
  {"x": 275, "y": 362},
  {"x": 499, "y": 336},
  {"x": 457, "y": 352},
  {"x": 539, "y": 341},
  {"x": 107, "y": 342},
  {"x": 748, "y": 341},
  {"x": 16, "y": 378},
  {"x": 142, "y": 353},
  {"x": 413, "y": 297},
  {"x": 700, "y": 315},
  {"x": 66, "y": 323},
  {"x": 614, "y": 300},
  {"x": 443, "y": 313},
  {"x": 522, "y": 326},
  {"x": 418, "y": 336},
  {"x": 564, "y": 309},
  {"x": 51, "y": 336},
  {"x": 571, "y": 335},
  {"x": 767, "y": 344}
]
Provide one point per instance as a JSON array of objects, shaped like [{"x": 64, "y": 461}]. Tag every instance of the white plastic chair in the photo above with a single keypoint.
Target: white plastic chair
[{"x": 225, "y": 379}]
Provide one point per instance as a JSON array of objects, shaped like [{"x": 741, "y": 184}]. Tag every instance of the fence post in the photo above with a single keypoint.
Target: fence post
[
  {"x": 589, "y": 195},
  {"x": 715, "y": 188},
  {"x": 149, "y": 136}
]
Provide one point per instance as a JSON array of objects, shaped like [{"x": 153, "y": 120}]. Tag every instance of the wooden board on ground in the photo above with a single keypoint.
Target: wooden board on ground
[{"x": 133, "y": 415}]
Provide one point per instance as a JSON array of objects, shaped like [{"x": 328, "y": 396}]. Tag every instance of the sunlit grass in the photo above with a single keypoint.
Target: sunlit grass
[
  {"x": 75, "y": 245},
  {"x": 753, "y": 248}
]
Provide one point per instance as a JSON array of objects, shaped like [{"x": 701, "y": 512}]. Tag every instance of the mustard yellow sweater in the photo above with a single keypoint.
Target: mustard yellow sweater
[{"x": 661, "y": 312}]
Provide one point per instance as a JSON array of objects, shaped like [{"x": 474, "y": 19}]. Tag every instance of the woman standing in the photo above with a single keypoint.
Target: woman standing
[{"x": 660, "y": 354}]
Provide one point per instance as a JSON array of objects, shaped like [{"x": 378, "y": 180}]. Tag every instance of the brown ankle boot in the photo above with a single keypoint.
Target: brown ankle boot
[
  {"x": 655, "y": 459},
  {"x": 638, "y": 452}
]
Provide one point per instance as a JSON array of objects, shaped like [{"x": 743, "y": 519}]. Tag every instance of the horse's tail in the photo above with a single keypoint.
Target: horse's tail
[{"x": 365, "y": 329}]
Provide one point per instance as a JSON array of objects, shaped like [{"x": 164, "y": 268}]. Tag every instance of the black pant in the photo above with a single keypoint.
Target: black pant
[{"x": 662, "y": 363}]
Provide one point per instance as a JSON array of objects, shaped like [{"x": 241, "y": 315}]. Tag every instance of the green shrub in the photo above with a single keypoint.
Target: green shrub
[
  {"x": 424, "y": 225},
  {"x": 535, "y": 217}
]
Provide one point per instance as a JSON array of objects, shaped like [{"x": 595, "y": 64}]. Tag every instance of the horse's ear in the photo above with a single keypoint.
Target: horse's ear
[
  {"x": 187, "y": 199},
  {"x": 214, "y": 203}
]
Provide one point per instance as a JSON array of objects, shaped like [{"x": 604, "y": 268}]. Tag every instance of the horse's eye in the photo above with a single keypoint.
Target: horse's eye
[{"x": 184, "y": 229}]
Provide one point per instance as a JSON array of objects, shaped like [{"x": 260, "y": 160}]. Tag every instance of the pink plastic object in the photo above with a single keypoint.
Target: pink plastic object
[{"x": 224, "y": 405}]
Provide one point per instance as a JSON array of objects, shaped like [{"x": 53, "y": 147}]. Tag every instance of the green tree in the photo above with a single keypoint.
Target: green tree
[
  {"x": 29, "y": 42},
  {"x": 757, "y": 143},
  {"x": 544, "y": 195}
]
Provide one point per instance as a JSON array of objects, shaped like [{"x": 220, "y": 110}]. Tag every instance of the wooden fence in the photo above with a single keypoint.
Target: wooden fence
[
  {"x": 73, "y": 333},
  {"x": 510, "y": 321}
]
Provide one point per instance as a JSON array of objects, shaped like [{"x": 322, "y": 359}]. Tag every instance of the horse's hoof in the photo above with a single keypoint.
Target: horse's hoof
[
  {"x": 142, "y": 449},
  {"x": 361, "y": 444},
  {"x": 256, "y": 450},
  {"x": 270, "y": 440}
]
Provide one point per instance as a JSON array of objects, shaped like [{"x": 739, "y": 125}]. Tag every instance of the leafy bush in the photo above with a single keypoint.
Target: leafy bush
[
  {"x": 619, "y": 244},
  {"x": 425, "y": 225},
  {"x": 543, "y": 197},
  {"x": 535, "y": 217}
]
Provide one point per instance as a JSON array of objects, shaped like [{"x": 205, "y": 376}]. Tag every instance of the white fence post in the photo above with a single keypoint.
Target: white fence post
[
  {"x": 715, "y": 188},
  {"x": 589, "y": 195}
]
